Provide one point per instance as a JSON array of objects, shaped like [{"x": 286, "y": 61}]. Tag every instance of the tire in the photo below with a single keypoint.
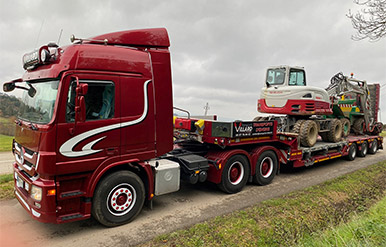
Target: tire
[
  {"x": 373, "y": 148},
  {"x": 235, "y": 174},
  {"x": 297, "y": 126},
  {"x": 358, "y": 126},
  {"x": 352, "y": 152},
  {"x": 346, "y": 126},
  {"x": 308, "y": 133},
  {"x": 266, "y": 168},
  {"x": 118, "y": 198},
  {"x": 364, "y": 149},
  {"x": 335, "y": 132}
]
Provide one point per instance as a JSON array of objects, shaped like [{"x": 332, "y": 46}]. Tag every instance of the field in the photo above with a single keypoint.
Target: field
[{"x": 5, "y": 143}]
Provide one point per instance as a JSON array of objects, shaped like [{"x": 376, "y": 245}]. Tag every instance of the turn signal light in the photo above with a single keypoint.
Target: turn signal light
[{"x": 51, "y": 192}]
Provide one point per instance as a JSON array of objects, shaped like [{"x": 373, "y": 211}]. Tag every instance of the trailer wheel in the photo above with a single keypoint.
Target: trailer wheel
[
  {"x": 308, "y": 133},
  {"x": 266, "y": 168},
  {"x": 352, "y": 152},
  {"x": 363, "y": 151},
  {"x": 118, "y": 199},
  {"x": 235, "y": 174},
  {"x": 346, "y": 126},
  {"x": 373, "y": 147},
  {"x": 335, "y": 133}
]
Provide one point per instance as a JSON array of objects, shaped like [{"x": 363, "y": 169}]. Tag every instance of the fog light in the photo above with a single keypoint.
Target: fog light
[{"x": 36, "y": 193}]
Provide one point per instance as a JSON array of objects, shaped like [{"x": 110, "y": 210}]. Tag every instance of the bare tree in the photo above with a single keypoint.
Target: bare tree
[{"x": 370, "y": 22}]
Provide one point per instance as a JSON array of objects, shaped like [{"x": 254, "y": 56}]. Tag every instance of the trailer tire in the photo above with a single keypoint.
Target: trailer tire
[
  {"x": 358, "y": 126},
  {"x": 352, "y": 152},
  {"x": 373, "y": 147},
  {"x": 235, "y": 174},
  {"x": 266, "y": 168},
  {"x": 335, "y": 132},
  {"x": 118, "y": 198},
  {"x": 308, "y": 133},
  {"x": 346, "y": 126},
  {"x": 364, "y": 149}
]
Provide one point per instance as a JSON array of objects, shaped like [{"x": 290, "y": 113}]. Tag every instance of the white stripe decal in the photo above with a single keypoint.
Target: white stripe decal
[{"x": 67, "y": 148}]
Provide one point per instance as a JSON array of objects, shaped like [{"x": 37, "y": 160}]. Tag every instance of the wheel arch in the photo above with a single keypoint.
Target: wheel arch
[
  {"x": 141, "y": 169},
  {"x": 255, "y": 154},
  {"x": 221, "y": 158}
]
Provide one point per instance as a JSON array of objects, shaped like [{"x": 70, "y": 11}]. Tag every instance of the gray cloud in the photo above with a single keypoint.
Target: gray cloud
[{"x": 220, "y": 49}]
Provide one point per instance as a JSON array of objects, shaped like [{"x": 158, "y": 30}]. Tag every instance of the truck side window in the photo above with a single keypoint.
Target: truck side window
[
  {"x": 297, "y": 78},
  {"x": 100, "y": 100}
]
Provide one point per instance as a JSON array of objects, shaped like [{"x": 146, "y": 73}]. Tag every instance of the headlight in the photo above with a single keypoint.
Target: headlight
[{"x": 36, "y": 193}]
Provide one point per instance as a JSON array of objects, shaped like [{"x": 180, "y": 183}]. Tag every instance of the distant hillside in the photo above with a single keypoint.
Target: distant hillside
[
  {"x": 9, "y": 109},
  {"x": 9, "y": 105}
]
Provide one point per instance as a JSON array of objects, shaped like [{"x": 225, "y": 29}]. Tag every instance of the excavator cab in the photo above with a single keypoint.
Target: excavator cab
[{"x": 286, "y": 92}]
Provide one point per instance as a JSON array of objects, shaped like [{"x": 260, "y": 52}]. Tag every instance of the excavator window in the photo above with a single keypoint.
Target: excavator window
[
  {"x": 297, "y": 78},
  {"x": 275, "y": 77}
]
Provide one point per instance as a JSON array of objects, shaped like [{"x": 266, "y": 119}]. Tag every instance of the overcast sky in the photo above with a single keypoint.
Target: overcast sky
[{"x": 220, "y": 49}]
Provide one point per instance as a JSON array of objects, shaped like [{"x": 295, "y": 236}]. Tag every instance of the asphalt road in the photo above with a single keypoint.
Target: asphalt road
[
  {"x": 6, "y": 160},
  {"x": 190, "y": 205}
]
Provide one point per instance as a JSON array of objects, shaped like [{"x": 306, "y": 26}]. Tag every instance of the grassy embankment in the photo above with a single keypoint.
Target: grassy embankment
[
  {"x": 300, "y": 217},
  {"x": 5, "y": 141}
]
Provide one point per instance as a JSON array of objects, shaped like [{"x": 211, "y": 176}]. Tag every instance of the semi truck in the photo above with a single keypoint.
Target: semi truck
[{"x": 96, "y": 135}]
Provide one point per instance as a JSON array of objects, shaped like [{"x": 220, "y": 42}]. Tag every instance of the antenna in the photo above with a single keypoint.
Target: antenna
[
  {"x": 60, "y": 36},
  {"x": 37, "y": 40},
  {"x": 206, "y": 107}
]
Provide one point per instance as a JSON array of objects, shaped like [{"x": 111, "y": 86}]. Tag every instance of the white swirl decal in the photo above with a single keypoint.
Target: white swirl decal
[{"x": 67, "y": 148}]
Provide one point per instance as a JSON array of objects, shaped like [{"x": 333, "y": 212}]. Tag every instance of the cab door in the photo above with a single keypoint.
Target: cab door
[
  {"x": 84, "y": 145},
  {"x": 137, "y": 117}
]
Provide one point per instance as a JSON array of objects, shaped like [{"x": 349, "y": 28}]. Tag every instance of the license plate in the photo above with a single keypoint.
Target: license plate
[{"x": 19, "y": 182}]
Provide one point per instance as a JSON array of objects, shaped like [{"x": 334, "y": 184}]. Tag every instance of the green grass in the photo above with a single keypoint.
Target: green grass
[
  {"x": 5, "y": 143},
  {"x": 6, "y": 186},
  {"x": 383, "y": 133},
  {"x": 287, "y": 220},
  {"x": 366, "y": 229}
]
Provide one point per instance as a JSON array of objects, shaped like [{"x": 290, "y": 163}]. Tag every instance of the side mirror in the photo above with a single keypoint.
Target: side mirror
[
  {"x": 83, "y": 89},
  {"x": 9, "y": 86},
  {"x": 31, "y": 91}
]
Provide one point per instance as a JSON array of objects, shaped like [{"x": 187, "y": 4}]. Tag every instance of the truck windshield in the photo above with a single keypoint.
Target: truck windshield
[
  {"x": 40, "y": 107},
  {"x": 275, "y": 77}
]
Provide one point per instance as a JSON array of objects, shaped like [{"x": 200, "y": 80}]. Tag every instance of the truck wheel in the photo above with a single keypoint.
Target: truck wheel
[
  {"x": 298, "y": 125},
  {"x": 335, "y": 132},
  {"x": 373, "y": 147},
  {"x": 308, "y": 133},
  {"x": 363, "y": 151},
  {"x": 118, "y": 198},
  {"x": 358, "y": 126},
  {"x": 346, "y": 126},
  {"x": 235, "y": 174},
  {"x": 352, "y": 152},
  {"x": 266, "y": 168}
]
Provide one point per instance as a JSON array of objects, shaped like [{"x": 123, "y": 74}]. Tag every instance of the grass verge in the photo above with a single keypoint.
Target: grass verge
[
  {"x": 287, "y": 220},
  {"x": 366, "y": 229},
  {"x": 5, "y": 143},
  {"x": 6, "y": 186}
]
